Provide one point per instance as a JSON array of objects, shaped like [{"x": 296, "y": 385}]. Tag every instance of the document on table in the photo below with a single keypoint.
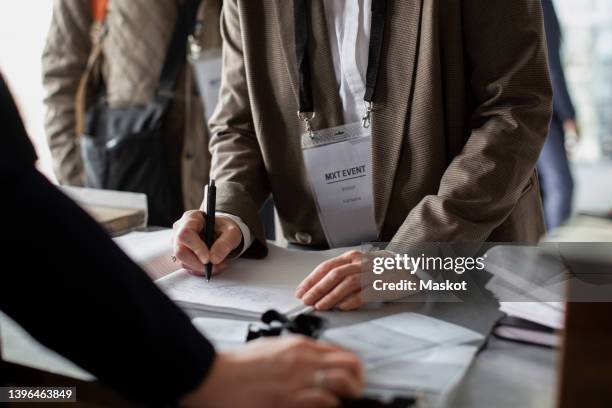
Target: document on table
[
  {"x": 393, "y": 347},
  {"x": 248, "y": 287},
  {"x": 151, "y": 250},
  {"x": 380, "y": 340},
  {"x": 434, "y": 371},
  {"x": 224, "y": 334}
]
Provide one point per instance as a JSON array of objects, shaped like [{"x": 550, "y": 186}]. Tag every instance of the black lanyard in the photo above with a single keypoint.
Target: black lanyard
[{"x": 306, "y": 104}]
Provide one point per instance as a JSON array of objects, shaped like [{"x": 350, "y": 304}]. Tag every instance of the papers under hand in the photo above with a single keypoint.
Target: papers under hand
[{"x": 247, "y": 287}]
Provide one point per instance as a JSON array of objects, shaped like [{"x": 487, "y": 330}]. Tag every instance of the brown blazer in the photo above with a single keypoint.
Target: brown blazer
[
  {"x": 461, "y": 112},
  {"x": 134, "y": 51}
]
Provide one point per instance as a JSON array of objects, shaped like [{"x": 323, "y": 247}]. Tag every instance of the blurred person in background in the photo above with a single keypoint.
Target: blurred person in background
[
  {"x": 556, "y": 178},
  {"x": 134, "y": 37}
]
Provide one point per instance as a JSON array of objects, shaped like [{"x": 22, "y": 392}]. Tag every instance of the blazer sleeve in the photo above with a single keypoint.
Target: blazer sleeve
[
  {"x": 237, "y": 164},
  {"x": 66, "y": 282},
  {"x": 511, "y": 94},
  {"x": 64, "y": 59},
  {"x": 562, "y": 102}
]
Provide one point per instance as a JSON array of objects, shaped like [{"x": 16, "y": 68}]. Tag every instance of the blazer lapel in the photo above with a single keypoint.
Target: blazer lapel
[
  {"x": 393, "y": 96},
  {"x": 324, "y": 86}
]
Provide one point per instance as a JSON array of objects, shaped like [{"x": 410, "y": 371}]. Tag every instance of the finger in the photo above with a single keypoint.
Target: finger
[
  {"x": 302, "y": 343},
  {"x": 195, "y": 218},
  {"x": 350, "y": 284},
  {"x": 342, "y": 383},
  {"x": 188, "y": 236},
  {"x": 329, "y": 282},
  {"x": 218, "y": 268},
  {"x": 186, "y": 257},
  {"x": 229, "y": 238},
  {"x": 318, "y": 273},
  {"x": 315, "y": 397},
  {"x": 187, "y": 216},
  {"x": 342, "y": 360},
  {"x": 352, "y": 302},
  {"x": 335, "y": 359},
  {"x": 196, "y": 272}
]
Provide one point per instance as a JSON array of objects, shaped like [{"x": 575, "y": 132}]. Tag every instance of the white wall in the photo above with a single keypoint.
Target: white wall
[{"x": 23, "y": 28}]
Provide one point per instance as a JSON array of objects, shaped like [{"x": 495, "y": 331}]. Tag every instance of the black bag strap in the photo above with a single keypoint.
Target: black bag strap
[{"x": 177, "y": 51}]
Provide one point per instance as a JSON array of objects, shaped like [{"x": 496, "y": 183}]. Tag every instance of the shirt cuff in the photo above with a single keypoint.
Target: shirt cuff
[{"x": 247, "y": 237}]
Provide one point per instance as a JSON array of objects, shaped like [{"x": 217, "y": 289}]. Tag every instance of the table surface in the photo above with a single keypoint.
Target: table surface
[{"x": 503, "y": 374}]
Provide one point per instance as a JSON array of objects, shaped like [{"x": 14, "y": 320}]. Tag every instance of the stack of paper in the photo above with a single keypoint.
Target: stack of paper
[
  {"x": 248, "y": 287},
  {"x": 117, "y": 211},
  {"x": 409, "y": 351},
  {"x": 530, "y": 284},
  {"x": 549, "y": 314}
]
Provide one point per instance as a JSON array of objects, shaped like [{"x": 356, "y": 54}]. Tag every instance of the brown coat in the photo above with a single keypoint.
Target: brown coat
[
  {"x": 134, "y": 50},
  {"x": 461, "y": 112}
]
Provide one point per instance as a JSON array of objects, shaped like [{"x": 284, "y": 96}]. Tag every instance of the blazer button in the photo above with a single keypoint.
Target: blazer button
[{"x": 303, "y": 238}]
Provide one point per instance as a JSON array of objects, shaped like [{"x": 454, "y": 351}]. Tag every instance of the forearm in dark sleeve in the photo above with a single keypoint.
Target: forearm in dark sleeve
[{"x": 72, "y": 288}]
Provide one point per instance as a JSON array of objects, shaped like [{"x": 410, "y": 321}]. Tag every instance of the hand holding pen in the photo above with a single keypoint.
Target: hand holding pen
[{"x": 190, "y": 248}]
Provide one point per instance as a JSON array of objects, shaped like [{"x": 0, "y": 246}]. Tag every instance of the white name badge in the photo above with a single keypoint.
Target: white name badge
[
  {"x": 339, "y": 165},
  {"x": 207, "y": 69}
]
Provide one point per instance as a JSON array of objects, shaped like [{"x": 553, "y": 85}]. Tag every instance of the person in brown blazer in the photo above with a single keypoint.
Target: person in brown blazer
[
  {"x": 461, "y": 110},
  {"x": 133, "y": 51}
]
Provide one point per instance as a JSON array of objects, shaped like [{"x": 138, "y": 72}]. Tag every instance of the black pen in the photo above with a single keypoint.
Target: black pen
[{"x": 210, "y": 197}]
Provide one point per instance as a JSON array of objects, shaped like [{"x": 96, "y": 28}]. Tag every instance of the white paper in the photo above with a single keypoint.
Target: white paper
[
  {"x": 151, "y": 250},
  {"x": 19, "y": 347},
  {"x": 409, "y": 351},
  {"x": 106, "y": 198},
  {"x": 219, "y": 296},
  {"x": 435, "y": 372},
  {"x": 248, "y": 287},
  {"x": 224, "y": 334},
  {"x": 381, "y": 340},
  {"x": 550, "y": 314}
]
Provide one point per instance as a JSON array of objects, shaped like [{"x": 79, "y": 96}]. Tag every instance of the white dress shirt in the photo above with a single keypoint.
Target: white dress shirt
[{"x": 348, "y": 27}]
